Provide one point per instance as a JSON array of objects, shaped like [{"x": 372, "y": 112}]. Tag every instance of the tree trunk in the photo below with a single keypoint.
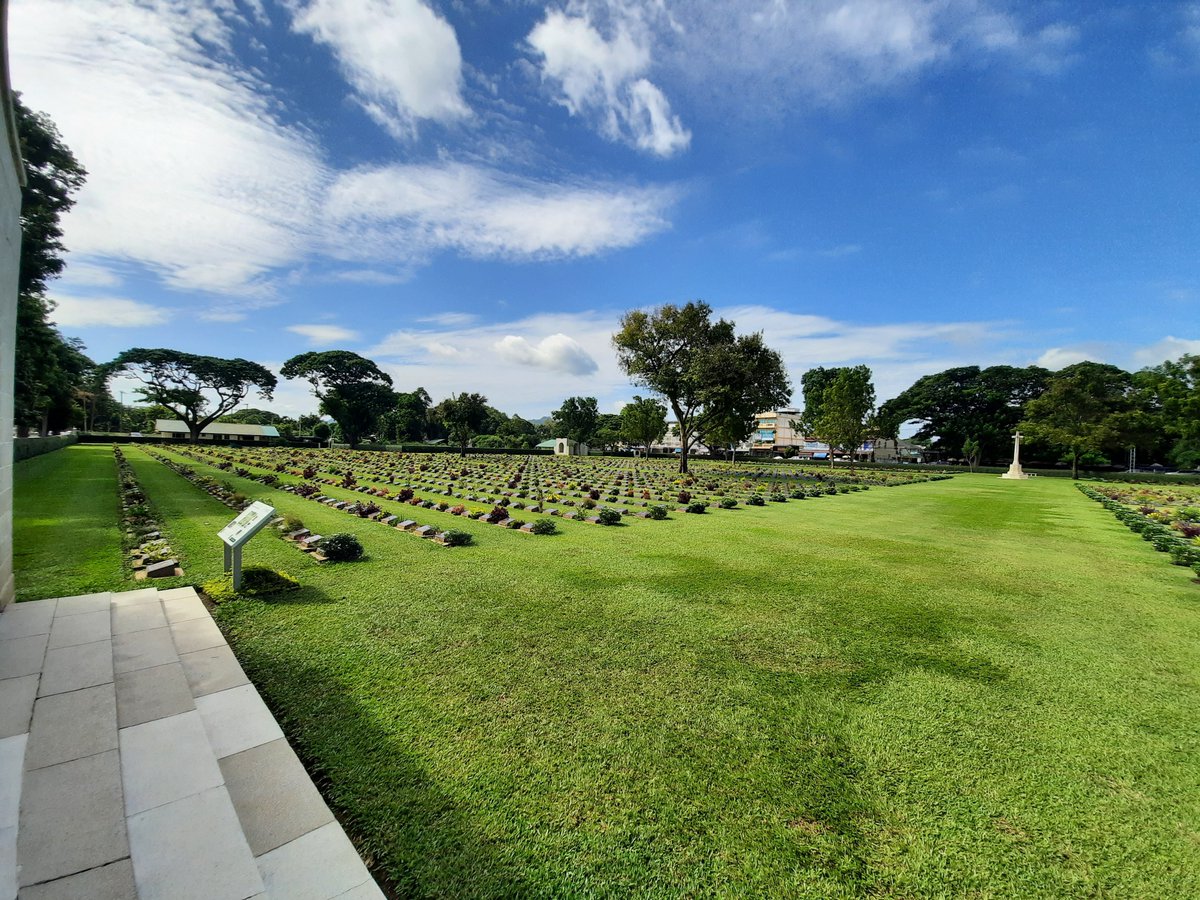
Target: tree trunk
[{"x": 1074, "y": 465}]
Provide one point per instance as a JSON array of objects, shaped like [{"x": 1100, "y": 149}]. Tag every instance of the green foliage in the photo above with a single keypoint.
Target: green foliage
[
  {"x": 971, "y": 449},
  {"x": 463, "y": 415},
  {"x": 608, "y": 516},
  {"x": 342, "y": 547},
  {"x": 643, "y": 422},
  {"x": 728, "y": 503},
  {"x": 258, "y": 583},
  {"x": 837, "y": 407},
  {"x": 697, "y": 506},
  {"x": 1084, "y": 410},
  {"x": 352, "y": 390},
  {"x": 711, "y": 378},
  {"x": 184, "y": 382},
  {"x": 577, "y": 419},
  {"x": 966, "y": 402},
  {"x": 544, "y": 526},
  {"x": 455, "y": 537},
  {"x": 657, "y": 512}
]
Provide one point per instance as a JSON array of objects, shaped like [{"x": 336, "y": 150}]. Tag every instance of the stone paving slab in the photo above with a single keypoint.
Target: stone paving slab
[
  {"x": 166, "y": 760},
  {"x": 72, "y": 668},
  {"x": 72, "y": 725},
  {"x": 85, "y": 628},
  {"x": 84, "y": 603},
  {"x": 212, "y": 670},
  {"x": 71, "y": 818},
  {"x": 192, "y": 849},
  {"x": 148, "y": 694},
  {"x": 111, "y": 882},
  {"x": 144, "y": 764},
  {"x": 16, "y": 704},
  {"x": 275, "y": 799},
  {"x": 25, "y": 619},
  {"x": 23, "y": 655}
]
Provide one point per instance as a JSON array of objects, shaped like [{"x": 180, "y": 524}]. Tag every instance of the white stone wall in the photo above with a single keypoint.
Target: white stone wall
[{"x": 10, "y": 258}]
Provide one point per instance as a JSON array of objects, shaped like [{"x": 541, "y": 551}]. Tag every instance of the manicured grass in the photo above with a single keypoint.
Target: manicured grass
[
  {"x": 65, "y": 514},
  {"x": 967, "y": 688}
]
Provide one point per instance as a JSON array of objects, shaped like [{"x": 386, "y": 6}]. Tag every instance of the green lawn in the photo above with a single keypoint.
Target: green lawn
[
  {"x": 968, "y": 688},
  {"x": 65, "y": 513}
]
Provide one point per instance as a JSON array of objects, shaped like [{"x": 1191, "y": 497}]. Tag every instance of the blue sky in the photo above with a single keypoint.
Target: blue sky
[{"x": 471, "y": 193}]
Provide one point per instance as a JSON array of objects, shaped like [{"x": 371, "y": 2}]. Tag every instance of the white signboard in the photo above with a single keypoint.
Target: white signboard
[{"x": 247, "y": 524}]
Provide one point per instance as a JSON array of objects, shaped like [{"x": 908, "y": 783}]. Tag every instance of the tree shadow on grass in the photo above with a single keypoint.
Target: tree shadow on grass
[{"x": 416, "y": 839}]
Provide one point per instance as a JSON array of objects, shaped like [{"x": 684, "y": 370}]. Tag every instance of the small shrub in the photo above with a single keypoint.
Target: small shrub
[
  {"x": 755, "y": 500},
  {"x": 697, "y": 506},
  {"x": 404, "y": 495},
  {"x": 778, "y": 498},
  {"x": 498, "y": 514},
  {"x": 309, "y": 473},
  {"x": 657, "y": 512},
  {"x": 545, "y": 526},
  {"x": 342, "y": 547},
  {"x": 456, "y": 538},
  {"x": 728, "y": 503},
  {"x": 457, "y": 510},
  {"x": 515, "y": 524},
  {"x": 684, "y": 498},
  {"x": 292, "y": 523},
  {"x": 307, "y": 490},
  {"x": 609, "y": 516}
]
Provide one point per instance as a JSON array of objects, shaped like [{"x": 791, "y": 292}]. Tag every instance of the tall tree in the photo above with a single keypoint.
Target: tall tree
[
  {"x": 643, "y": 422},
  {"x": 701, "y": 368},
  {"x": 185, "y": 382},
  {"x": 412, "y": 415},
  {"x": 463, "y": 415},
  {"x": 351, "y": 389},
  {"x": 839, "y": 411},
  {"x": 577, "y": 418},
  {"x": 1168, "y": 398},
  {"x": 1083, "y": 412},
  {"x": 50, "y": 369},
  {"x": 969, "y": 402}
]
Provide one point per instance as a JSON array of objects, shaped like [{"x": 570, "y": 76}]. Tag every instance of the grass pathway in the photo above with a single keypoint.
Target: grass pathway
[{"x": 65, "y": 514}]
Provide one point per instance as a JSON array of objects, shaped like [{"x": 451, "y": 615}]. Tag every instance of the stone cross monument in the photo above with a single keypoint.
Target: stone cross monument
[{"x": 1015, "y": 471}]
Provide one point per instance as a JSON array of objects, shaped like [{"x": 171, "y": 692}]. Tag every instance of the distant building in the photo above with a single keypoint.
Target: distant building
[
  {"x": 773, "y": 431},
  {"x": 217, "y": 431},
  {"x": 568, "y": 447}
]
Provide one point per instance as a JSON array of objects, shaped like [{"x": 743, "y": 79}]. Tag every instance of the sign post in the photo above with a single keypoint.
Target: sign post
[{"x": 234, "y": 535}]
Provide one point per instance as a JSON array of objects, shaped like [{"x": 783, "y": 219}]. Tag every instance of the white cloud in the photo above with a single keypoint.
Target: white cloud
[
  {"x": 602, "y": 79},
  {"x": 193, "y": 173},
  {"x": 496, "y": 358},
  {"x": 1060, "y": 357},
  {"x": 1169, "y": 348},
  {"x": 189, "y": 171},
  {"x": 555, "y": 353},
  {"x": 87, "y": 275},
  {"x": 766, "y": 58},
  {"x": 401, "y": 57},
  {"x": 410, "y": 211},
  {"x": 324, "y": 335},
  {"x": 113, "y": 312}
]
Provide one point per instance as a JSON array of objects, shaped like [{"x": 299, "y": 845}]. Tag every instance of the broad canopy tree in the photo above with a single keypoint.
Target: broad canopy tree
[
  {"x": 351, "y": 389},
  {"x": 1084, "y": 411},
  {"x": 968, "y": 403},
  {"x": 185, "y": 382},
  {"x": 578, "y": 418},
  {"x": 463, "y": 415},
  {"x": 704, "y": 371}
]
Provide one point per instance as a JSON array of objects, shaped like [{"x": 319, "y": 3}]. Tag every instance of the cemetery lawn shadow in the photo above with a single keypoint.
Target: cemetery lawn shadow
[
  {"x": 962, "y": 688},
  {"x": 66, "y": 539}
]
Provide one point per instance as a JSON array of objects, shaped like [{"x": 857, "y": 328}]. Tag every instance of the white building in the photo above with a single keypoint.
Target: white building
[{"x": 216, "y": 431}]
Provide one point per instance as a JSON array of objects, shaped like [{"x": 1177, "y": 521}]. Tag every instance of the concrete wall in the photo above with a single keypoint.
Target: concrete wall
[{"x": 10, "y": 259}]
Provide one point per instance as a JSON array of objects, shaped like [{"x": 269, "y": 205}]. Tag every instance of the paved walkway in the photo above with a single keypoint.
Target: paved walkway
[{"x": 137, "y": 761}]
